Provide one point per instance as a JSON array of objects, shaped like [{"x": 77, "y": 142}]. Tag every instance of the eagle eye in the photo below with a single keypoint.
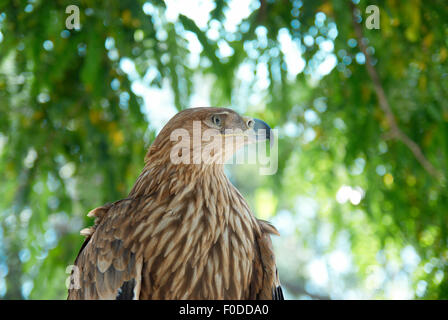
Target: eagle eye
[{"x": 216, "y": 120}]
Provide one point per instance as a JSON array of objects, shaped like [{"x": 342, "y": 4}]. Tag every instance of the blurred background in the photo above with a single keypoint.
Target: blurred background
[{"x": 360, "y": 195}]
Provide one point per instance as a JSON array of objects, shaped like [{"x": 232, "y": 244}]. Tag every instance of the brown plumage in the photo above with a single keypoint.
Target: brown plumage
[{"x": 184, "y": 231}]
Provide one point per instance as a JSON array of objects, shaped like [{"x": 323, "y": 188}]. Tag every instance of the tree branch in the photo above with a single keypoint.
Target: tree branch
[
  {"x": 395, "y": 131},
  {"x": 262, "y": 12}
]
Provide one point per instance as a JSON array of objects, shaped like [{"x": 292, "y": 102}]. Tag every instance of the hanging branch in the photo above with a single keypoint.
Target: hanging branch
[
  {"x": 395, "y": 131},
  {"x": 261, "y": 18}
]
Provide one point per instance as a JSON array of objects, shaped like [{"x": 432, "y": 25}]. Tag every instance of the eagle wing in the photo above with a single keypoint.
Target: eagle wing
[
  {"x": 110, "y": 262},
  {"x": 265, "y": 280},
  {"x": 105, "y": 267}
]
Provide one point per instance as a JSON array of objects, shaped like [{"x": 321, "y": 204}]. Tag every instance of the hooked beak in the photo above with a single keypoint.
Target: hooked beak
[{"x": 263, "y": 131}]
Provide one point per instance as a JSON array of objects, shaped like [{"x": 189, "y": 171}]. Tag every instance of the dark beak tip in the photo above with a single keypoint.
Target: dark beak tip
[{"x": 261, "y": 125}]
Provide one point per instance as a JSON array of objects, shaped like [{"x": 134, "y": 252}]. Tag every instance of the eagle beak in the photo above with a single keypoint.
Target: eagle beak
[{"x": 263, "y": 131}]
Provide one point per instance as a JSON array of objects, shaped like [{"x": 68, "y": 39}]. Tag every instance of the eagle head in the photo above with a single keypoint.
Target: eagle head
[{"x": 207, "y": 136}]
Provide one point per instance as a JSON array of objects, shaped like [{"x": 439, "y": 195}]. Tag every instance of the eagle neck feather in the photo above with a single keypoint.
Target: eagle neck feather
[
  {"x": 205, "y": 223},
  {"x": 205, "y": 184}
]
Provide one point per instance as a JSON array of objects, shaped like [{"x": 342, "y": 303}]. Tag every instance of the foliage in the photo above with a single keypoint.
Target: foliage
[{"x": 73, "y": 132}]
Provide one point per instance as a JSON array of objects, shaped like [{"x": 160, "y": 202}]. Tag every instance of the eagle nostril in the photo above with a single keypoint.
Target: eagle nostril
[{"x": 250, "y": 123}]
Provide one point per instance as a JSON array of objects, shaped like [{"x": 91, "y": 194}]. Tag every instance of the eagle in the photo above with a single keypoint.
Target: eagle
[{"x": 184, "y": 231}]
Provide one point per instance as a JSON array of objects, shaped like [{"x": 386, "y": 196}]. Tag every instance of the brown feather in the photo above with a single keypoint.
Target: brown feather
[{"x": 184, "y": 232}]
